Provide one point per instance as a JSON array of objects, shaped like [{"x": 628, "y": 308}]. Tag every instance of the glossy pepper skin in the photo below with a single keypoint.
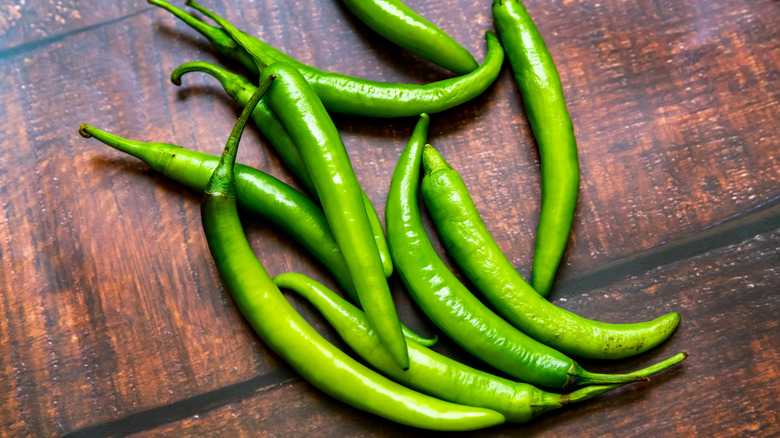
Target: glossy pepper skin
[
  {"x": 326, "y": 159},
  {"x": 540, "y": 86},
  {"x": 469, "y": 243},
  {"x": 444, "y": 299},
  {"x": 241, "y": 90},
  {"x": 291, "y": 337},
  {"x": 346, "y": 94},
  {"x": 438, "y": 375},
  {"x": 261, "y": 194},
  {"x": 404, "y": 27}
]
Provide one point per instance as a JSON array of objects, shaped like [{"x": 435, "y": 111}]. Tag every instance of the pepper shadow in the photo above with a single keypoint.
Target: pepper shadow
[{"x": 137, "y": 169}]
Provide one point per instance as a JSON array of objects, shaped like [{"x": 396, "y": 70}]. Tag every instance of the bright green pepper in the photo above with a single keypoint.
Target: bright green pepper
[
  {"x": 401, "y": 25},
  {"x": 540, "y": 86},
  {"x": 327, "y": 161}
]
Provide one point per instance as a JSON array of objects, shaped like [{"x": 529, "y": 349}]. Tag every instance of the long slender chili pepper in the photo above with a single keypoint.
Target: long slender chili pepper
[
  {"x": 479, "y": 256},
  {"x": 438, "y": 375},
  {"x": 444, "y": 299},
  {"x": 261, "y": 194},
  {"x": 346, "y": 94},
  {"x": 326, "y": 159},
  {"x": 540, "y": 86},
  {"x": 269, "y": 124},
  {"x": 292, "y": 338},
  {"x": 401, "y": 25}
]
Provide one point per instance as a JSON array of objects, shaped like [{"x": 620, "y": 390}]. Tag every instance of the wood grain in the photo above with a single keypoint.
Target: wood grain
[
  {"x": 112, "y": 314},
  {"x": 27, "y": 23}
]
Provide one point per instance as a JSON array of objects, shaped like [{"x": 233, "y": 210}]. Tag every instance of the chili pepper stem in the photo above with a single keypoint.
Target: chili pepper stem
[
  {"x": 581, "y": 377},
  {"x": 156, "y": 155},
  {"x": 550, "y": 401},
  {"x": 261, "y": 59},
  {"x": 221, "y": 181},
  {"x": 232, "y": 87},
  {"x": 592, "y": 391},
  {"x": 218, "y": 38}
]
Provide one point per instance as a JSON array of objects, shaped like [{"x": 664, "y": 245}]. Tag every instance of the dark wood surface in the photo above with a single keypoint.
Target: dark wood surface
[{"x": 113, "y": 320}]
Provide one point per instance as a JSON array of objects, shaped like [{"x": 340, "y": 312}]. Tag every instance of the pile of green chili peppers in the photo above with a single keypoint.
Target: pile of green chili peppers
[{"x": 410, "y": 383}]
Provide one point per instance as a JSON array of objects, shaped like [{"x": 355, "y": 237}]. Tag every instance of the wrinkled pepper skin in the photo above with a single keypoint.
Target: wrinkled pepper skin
[{"x": 472, "y": 247}]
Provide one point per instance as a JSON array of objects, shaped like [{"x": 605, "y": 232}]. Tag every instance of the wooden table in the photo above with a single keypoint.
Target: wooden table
[{"x": 113, "y": 320}]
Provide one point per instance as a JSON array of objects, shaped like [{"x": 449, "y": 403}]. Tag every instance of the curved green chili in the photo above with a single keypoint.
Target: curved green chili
[
  {"x": 241, "y": 90},
  {"x": 542, "y": 93},
  {"x": 438, "y": 375},
  {"x": 399, "y": 24},
  {"x": 326, "y": 159},
  {"x": 444, "y": 299},
  {"x": 261, "y": 194},
  {"x": 479, "y": 256},
  {"x": 292, "y": 338},
  {"x": 345, "y": 94}
]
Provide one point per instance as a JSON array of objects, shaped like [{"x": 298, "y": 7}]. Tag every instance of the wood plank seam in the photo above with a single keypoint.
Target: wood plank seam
[
  {"x": 189, "y": 407},
  {"x": 32, "y": 45},
  {"x": 760, "y": 219}
]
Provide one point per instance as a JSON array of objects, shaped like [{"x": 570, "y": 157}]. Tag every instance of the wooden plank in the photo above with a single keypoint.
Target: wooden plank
[
  {"x": 28, "y": 22},
  {"x": 110, "y": 306}
]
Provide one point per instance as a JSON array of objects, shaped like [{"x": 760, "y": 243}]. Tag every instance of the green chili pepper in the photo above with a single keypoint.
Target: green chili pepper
[
  {"x": 542, "y": 93},
  {"x": 291, "y": 337},
  {"x": 261, "y": 194},
  {"x": 326, "y": 159},
  {"x": 345, "y": 94},
  {"x": 401, "y": 25},
  {"x": 458, "y": 313},
  {"x": 241, "y": 90},
  {"x": 479, "y": 256},
  {"x": 438, "y": 375}
]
